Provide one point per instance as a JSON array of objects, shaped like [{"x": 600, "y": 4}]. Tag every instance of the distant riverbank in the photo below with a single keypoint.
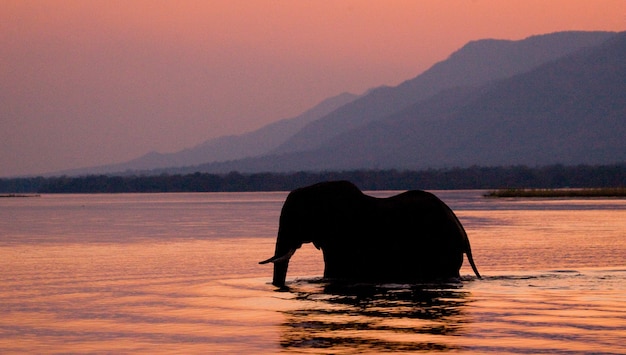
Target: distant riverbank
[
  {"x": 600, "y": 192},
  {"x": 471, "y": 178}
]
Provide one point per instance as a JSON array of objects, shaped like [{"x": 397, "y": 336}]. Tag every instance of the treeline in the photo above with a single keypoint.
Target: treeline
[{"x": 554, "y": 176}]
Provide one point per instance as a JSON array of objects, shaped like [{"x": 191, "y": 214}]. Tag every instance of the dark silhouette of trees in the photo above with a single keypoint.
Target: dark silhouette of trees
[{"x": 475, "y": 177}]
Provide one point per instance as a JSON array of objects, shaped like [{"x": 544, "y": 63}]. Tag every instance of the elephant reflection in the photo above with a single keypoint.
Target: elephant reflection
[
  {"x": 375, "y": 318},
  {"x": 410, "y": 237}
]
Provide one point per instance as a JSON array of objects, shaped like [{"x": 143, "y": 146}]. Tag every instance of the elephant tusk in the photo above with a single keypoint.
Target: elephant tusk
[
  {"x": 285, "y": 257},
  {"x": 279, "y": 259},
  {"x": 267, "y": 261}
]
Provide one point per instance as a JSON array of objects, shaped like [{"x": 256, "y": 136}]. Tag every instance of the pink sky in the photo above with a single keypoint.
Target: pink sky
[{"x": 87, "y": 83}]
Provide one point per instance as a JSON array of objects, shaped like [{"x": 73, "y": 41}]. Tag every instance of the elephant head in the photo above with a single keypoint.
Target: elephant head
[
  {"x": 411, "y": 236},
  {"x": 311, "y": 214},
  {"x": 289, "y": 239}
]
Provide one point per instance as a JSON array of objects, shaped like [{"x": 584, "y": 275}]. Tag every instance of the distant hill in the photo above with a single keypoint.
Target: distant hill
[
  {"x": 476, "y": 63},
  {"x": 571, "y": 110},
  {"x": 224, "y": 148},
  {"x": 568, "y": 111},
  {"x": 541, "y": 100}
]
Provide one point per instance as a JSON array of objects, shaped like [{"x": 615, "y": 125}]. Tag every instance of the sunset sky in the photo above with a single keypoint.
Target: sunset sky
[{"x": 87, "y": 83}]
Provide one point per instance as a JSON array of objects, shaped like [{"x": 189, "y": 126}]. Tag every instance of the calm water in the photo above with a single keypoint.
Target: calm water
[{"x": 178, "y": 273}]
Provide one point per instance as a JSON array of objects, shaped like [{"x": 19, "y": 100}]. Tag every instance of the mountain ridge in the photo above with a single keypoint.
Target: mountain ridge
[
  {"x": 224, "y": 147},
  {"x": 570, "y": 110},
  {"x": 436, "y": 92},
  {"x": 470, "y": 65}
]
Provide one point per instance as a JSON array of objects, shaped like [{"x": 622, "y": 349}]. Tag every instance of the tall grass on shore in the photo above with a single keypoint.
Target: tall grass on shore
[{"x": 589, "y": 192}]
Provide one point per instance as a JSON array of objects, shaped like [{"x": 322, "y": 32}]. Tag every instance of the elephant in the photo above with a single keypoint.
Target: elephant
[{"x": 410, "y": 237}]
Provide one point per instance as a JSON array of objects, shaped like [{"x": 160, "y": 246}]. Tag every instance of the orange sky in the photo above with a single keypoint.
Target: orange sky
[{"x": 94, "y": 82}]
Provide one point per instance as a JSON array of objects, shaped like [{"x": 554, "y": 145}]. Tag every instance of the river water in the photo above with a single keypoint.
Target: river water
[{"x": 178, "y": 273}]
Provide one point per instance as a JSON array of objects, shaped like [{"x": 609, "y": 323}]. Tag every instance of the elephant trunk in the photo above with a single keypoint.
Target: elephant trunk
[
  {"x": 281, "y": 263},
  {"x": 280, "y": 274}
]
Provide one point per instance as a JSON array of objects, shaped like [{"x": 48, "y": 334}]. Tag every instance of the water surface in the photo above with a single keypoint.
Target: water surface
[{"x": 164, "y": 273}]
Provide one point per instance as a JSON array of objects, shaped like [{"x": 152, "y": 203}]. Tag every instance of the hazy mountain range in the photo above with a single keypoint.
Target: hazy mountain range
[
  {"x": 556, "y": 98},
  {"x": 229, "y": 147}
]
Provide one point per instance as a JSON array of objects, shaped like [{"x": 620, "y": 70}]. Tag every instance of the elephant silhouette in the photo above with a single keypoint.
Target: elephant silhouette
[{"x": 410, "y": 237}]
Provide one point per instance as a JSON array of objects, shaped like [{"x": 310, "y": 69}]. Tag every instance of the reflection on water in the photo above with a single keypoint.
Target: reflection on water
[
  {"x": 374, "y": 318},
  {"x": 560, "y": 311}
]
